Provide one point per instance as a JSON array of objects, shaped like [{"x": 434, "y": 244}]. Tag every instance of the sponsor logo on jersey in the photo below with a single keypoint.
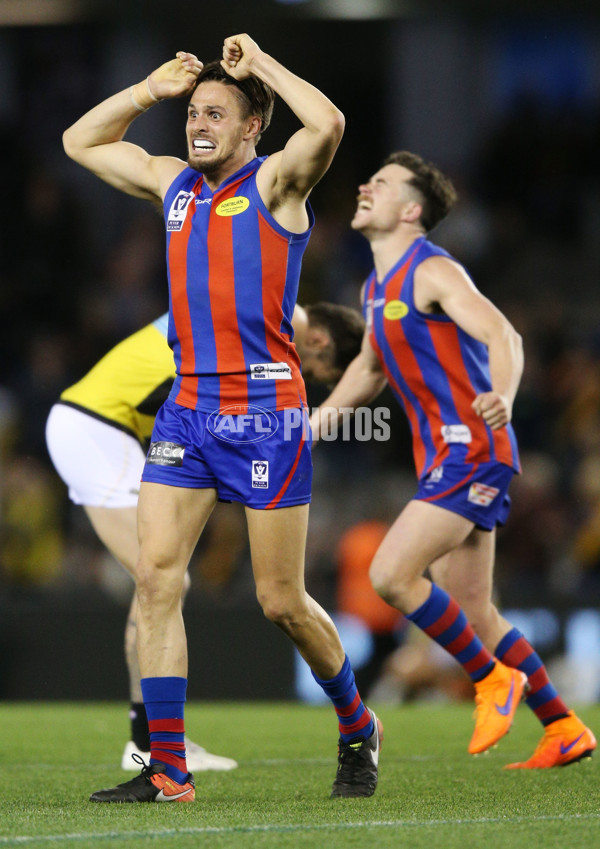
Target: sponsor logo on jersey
[
  {"x": 456, "y": 433},
  {"x": 233, "y": 206},
  {"x": 200, "y": 201},
  {"x": 480, "y": 493},
  {"x": 260, "y": 474},
  {"x": 270, "y": 371},
  {"x": 253, "y": 425},
  {"x": 165, "y": 454},
  {"x": 178, "y": 211},
  {"x": 394, "y": 310}
]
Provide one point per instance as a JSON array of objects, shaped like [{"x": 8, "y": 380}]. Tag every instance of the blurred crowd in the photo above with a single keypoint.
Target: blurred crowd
[{"x": 526, "y": 228}]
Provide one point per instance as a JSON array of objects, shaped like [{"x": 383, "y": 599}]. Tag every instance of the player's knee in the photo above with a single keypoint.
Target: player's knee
[
  {"x": 157, "y": 581},
  {"x": 284, "y": 611},
  {"x": 381, "y": 579}
]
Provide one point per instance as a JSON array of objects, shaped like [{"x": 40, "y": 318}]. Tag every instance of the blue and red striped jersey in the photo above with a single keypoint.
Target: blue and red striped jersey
[
  {"x": 233, "y": 283},
  {"x": 435, "y": 370}
]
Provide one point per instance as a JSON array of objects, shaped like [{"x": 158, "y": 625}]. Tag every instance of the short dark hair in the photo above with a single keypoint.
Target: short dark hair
[
  {"x": 437, "y": 190},
  {"x": 255, "y": 97},
  {"x": 345, "y": 325}
]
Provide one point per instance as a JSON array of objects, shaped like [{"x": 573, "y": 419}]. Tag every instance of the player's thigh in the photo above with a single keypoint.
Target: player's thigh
[
  {"x": 170, "y": 521},
  {"x": 278, "y": 546},
  {"x": 421, "y": 534},
  {"x": 116, "y": 528},
  {"x": 467, "y": 572}
]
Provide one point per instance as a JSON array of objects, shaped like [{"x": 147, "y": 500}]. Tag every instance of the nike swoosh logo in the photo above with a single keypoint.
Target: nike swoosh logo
[
  {"x": 160, "y": 796},
  {"x": 565, "y": 749},
  {"x": 506, "y": 708}
]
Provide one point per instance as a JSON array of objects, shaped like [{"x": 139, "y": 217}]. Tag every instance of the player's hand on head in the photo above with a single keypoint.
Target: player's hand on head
[
  {"x": 175, "y": 78},
  {"x": 494, "y": 409},
  {"x": 238, "y": 53}
]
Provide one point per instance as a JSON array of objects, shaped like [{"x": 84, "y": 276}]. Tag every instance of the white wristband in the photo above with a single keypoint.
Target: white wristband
[
  {"x": 135, "y": 103},
  {"x": 155, "y": 99}
]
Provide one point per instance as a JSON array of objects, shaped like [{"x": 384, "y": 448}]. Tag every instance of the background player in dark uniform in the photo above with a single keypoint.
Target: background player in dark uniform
[
  {"x": 236, "y": 229},
  {"x": 454, "y": 363}
]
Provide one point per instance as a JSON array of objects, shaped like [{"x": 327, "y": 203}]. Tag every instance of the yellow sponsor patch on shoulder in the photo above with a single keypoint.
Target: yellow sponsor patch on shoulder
[
  {"x": 233, "y": 206},
  {"x": 394, "y": 310}
]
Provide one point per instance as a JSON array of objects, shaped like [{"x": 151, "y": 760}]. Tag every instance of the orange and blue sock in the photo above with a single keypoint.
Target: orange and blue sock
[
  {"x": 444, "y": 621},
  {"x": 542, "y": 696},
  {"x": 354, "y": 720},
  {"x": 164, "y": 699}
]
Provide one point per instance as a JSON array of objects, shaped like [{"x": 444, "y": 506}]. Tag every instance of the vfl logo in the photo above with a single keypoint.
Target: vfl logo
[
  {"x": 178, "y": 211},
  {"x": 165, "y": 454},
  {"x": 254, "y": 425},
  {"x": 260, "y": 474}
]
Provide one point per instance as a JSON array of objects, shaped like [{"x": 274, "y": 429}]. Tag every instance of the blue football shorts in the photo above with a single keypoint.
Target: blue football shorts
[
  {"x": 477, "y": 491},
  {"x": 261, "y": 457}
]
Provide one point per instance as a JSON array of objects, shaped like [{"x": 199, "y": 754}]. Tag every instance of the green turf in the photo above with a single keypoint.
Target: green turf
[{"x": 431, "y": 793}]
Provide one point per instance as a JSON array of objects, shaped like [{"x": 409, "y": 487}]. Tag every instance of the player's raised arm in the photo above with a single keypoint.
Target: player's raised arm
[
  {"x": 96, "y": 139},
  {"x": 293, "y": 172}
]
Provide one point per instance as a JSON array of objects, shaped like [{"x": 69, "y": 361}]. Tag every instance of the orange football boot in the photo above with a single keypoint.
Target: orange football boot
[
  {"x": 565, "y": 742},
  {"x": 151, "y": 785},
  {"x": 496, "y": 697}
]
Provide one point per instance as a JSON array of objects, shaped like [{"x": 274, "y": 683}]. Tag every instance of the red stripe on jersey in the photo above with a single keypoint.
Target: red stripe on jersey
[
  {"x": 286, "y": 483},
  {"x": 177, "y": 259},
  {"x": 411, "y": 371},
  {"x": 274, "y": 254},
  {"x": 503, "y": 448},
  {"x": 419, "y": 453},
  {"x": 447, "y": 346},
  {"x": 221, "y": 291}
]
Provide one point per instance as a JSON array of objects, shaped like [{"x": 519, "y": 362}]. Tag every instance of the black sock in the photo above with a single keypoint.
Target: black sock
[{"x": 139, "y": 726}]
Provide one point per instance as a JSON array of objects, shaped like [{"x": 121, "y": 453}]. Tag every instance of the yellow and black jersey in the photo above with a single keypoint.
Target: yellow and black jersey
[{"x": 129, "y": 384}]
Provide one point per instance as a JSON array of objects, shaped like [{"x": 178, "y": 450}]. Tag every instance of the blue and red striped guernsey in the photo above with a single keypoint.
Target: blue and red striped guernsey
[
  {"x": 233, "y": 283},
  {"x": 435, "y": 370}
]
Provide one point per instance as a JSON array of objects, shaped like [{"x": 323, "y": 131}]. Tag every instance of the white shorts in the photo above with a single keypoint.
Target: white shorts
[{"x": 102, "y": 465}]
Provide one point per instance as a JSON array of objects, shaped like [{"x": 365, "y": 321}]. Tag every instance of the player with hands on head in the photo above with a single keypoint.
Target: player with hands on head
[
  {"x": 236, "y": 228},
  {"x": 97, "y": 435},
  {"x": 454, "y": 363}
]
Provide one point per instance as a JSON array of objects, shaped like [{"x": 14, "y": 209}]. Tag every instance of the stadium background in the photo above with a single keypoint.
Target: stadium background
[{"x": 507, "y": 102}]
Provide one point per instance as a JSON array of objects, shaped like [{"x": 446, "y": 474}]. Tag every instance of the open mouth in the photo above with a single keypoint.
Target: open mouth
[{"x": 203, "y": 144}]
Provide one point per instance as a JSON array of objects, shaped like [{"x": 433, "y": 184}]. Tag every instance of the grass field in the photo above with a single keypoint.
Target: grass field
[{"x": 431, "y": 793}]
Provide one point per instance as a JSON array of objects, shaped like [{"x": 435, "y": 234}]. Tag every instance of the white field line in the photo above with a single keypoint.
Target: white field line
[{"x": 20, "y": 840}]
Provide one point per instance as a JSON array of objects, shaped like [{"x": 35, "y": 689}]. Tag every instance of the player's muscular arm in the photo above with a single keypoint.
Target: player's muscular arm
[
  {"x": 287, "y": 177},
  {"x": 96, "y": 139},
  {"x": 300, "y": 325},
  {"x": 362, "y": 381},
  {"x": 443, "y": 282}
]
